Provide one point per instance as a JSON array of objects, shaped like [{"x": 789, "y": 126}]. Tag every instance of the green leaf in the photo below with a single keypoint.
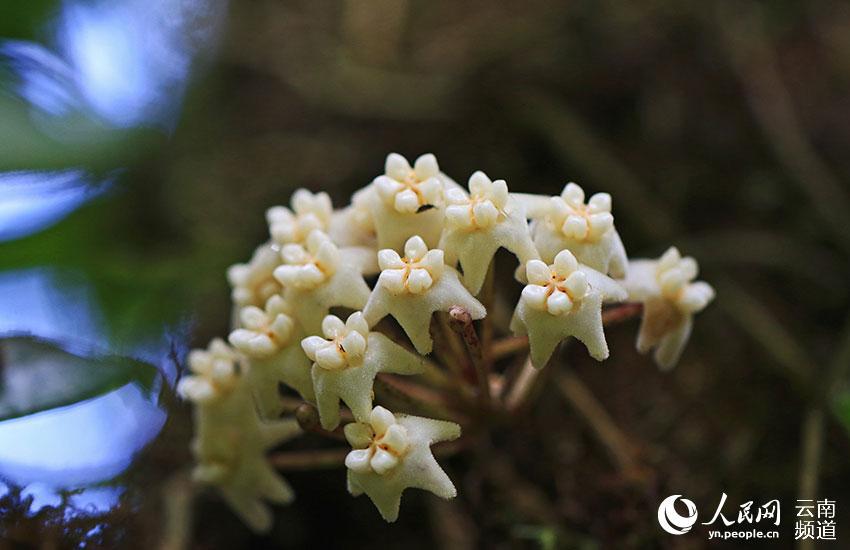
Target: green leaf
[{"x": 37, "y": 376}]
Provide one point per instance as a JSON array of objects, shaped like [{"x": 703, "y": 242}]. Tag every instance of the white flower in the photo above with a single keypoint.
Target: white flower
[
  {"x": 214, "y": 373},
  {"x": 268, "y": 338},
  {"x": 353, "y": 225},
  {"x": 392, "y": 453},
  {"x": 483, "y": 208},
  {"x": 343, "y": 346},
  {"x": 670, "y": 298},
  {"x": 562, "y": 300},
  {"x": 264, "y": 332},
  {"x": 254, "y": 283},
  {"x": 408, "y": 188},
  {"x": 231, "y": 440},
  {"x": 310, "y": 266},
  {"x": 406, "y": 201},
  {"x": 413, "y": 274},
  {"x": 309, "y": 212},
  {"x": 478, "y": 224},
  {"x": 319, "y": 277},
  {"x": 587, "y": 230},
  {"x": 346, "y": 362},
  {"x": 412, "y": 288}
]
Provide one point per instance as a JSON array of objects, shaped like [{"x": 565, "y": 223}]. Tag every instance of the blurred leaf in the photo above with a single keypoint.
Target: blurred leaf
[
  {"x": 546, "y": 537},
  {"x": 37, "y": 376},
  {"x": 139, "y": 290},
  {"x": 30, "y": 140},
  {"x": 22, "y": 19},
  {"x": 841, "y": 408},
  {"x": 757, "y": 321}
]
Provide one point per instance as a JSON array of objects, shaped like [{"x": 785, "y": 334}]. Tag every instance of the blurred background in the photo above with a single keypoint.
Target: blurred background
[{"x": 142, "y": 141}]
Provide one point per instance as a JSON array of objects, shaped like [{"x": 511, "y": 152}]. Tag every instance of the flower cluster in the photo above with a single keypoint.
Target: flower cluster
[{"x": 416, "y": 247}]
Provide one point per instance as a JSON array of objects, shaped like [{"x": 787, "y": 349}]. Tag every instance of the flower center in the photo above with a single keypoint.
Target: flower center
[{"x": 557, "y": 283}]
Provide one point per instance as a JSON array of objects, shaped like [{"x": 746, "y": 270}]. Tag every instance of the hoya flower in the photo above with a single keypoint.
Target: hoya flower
[
  {"x": 412, "y": 288},
  {"x": 264, "y": 331},
  {"x": 392, "y": 453},
  {"x": 562, "y": 300},
  {"x": 670, "y": 298},
  {"x": 479, "y": 223},
  {"x": 353, "y": 225},
  {"x": 587, "y": 230},
  {"x": 269, "y": 339},
  {"x": 214, "y": 372},
  {"x": 254, "y": 283},
  {"x": 231, "y": 440},
  {"x": 407, "y": 201},
  {"x": 309, "y": 211},
  {"x": 317, "y": 277},
  {"x": 345, "y": 363}
]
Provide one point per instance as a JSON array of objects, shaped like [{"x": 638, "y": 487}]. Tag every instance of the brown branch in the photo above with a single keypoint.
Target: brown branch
[
  {"x": 508, "y": 346},
  {"x": 308, "y": 460},
  {"x": 335, "y": 458},
  {"x": 308, "y": 418},
  {"x": 620, "y": 313},
  {"x": 461, "y": 323},
  {"x": 451, "y": 353},
  {"x": 410, "y": 394}
]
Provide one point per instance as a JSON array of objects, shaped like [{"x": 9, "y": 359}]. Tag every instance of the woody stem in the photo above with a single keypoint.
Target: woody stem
[{"x": 461, "y": 323}]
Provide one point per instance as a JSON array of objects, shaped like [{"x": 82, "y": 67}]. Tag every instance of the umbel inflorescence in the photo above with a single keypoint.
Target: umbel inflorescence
[{"x": 387, "y": 299}]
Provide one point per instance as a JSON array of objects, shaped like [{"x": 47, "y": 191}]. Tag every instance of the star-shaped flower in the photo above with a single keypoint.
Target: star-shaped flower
[
  {"x": 309, "y": 211},
  {"x": 346, "y": 362},
  {"x": 392, "y": 453},
  {"x": 407, "y": 201},
  {"x": 253, "y": 283},
  {"x": 587, "y": 230},
  {"x": 214, "y": 372},
  {"x": 562, "y": 300},
  {"x": 318, "y": 277},
  {"x": 269, "y": 339},
  {"x": 412, "y": 288},
  {"x": 478, "y": 224},
  {"x": 670, "y": 298},
  {"x": 354, "y": 225},
  {"x": 230, "y": 439}
]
